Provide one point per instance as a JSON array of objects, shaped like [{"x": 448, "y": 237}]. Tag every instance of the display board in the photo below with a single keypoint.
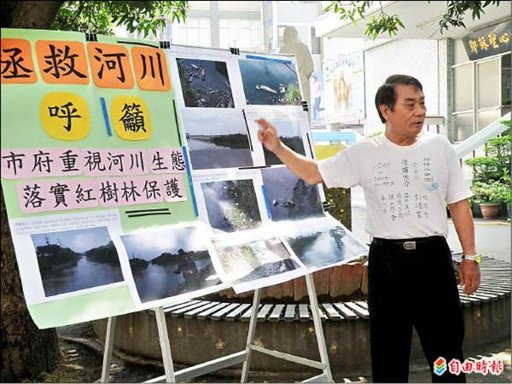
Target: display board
[{"x": 133, "y": 177}]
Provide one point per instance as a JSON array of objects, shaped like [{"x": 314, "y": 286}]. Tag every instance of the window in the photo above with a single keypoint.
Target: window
[
  {"x": 487, "y": 117},
  {"x": 488, "y": 74},
  {"x": 481, "y": 91},
  {"x": 199, "y": 5},
  {"x": 239, "y": 5},
  {"x": 195, "y": 31},
  {"x": 244, "y": 34},
  {"x": 463, "y": 84},
  {"x": 463, "y": 126}
]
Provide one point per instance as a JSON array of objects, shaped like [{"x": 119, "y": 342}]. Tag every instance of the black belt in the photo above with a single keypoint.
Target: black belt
[{"x": 407, "y": 244}]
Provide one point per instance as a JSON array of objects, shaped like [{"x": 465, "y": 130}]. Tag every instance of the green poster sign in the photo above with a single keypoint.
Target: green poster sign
[{"x": 90, "y": 150}]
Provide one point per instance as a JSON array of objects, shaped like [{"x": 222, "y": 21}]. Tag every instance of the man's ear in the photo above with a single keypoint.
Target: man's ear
[{"x": 384, "y": 110}]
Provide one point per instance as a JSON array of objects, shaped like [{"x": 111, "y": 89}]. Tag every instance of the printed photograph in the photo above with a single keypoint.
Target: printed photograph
[
  {"x": 290, "y": 134},
  {"x": 205, "y": 83},
  {"x": 217, "y": 139},
  {"x": 268, "y": 82},
  {"x": 70, "y": 261},
  {"x": 288, "y": 197},
  {"x": 255, "y": 260},
  {"x": 169, "y": 262},
  {"x": 325, "y": 247},
  {"x": 232, "y": 205}
]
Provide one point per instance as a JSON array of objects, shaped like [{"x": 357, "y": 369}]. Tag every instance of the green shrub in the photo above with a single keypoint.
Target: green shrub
[
  {"x": 492, "y": 173},
  {"x": 488, "y": 193}
]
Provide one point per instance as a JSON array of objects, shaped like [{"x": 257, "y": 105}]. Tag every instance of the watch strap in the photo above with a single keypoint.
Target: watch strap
[{"x": 477, "y": 258}]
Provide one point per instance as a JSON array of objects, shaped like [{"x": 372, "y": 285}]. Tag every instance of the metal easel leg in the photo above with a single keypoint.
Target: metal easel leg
[
  {"x": 250, "y": 335},
  {"x": 109, "y": 347},
  {"x": 165, "y": 346},
  {"x": 324, "y": 357}
]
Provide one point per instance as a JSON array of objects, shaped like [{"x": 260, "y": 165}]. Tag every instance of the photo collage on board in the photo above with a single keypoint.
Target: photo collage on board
[
  {"x": 241, "y": 189},
  {"x": 144, "y": 184}
]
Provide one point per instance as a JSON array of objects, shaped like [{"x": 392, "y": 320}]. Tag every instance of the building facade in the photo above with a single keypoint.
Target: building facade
[{"x": 467, "y": 91}]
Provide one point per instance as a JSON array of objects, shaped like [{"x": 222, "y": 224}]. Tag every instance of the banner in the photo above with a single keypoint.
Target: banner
[
  {"x": 133, "y": 177},
  {"x": 344, "y": 89}
]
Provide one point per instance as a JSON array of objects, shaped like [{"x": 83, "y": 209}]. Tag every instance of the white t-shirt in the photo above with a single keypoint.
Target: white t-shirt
[{"x": 406, "y": 187}]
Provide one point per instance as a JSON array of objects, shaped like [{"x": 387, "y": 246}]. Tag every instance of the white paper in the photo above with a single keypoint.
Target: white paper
[
  {"x": 255, "y": 259},
  {"x": 228, "y": 211},
  {"x": 169, "y": 264},
  {"x": 79, "y": 232},
  {"x": 292, "y": 126},
  {"x": 320, "y": 242}
]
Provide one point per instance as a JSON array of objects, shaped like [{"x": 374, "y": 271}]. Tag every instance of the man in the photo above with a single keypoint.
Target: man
[{"x": 408, "y": 177}]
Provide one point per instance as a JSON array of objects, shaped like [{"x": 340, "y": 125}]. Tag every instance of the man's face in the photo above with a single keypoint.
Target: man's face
[{"x": 408, "y": 115}]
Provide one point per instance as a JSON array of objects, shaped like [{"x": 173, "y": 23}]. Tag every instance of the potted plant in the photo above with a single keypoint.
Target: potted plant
[
  {"x": 491, "y": 173},
  {"x": 488, "y": 197}
]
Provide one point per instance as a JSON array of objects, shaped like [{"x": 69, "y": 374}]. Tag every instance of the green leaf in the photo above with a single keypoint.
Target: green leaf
[{"x": 145, "y": 17}]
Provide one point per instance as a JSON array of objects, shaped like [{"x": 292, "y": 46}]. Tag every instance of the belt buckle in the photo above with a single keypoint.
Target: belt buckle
[{"x": 409, "y": 245}]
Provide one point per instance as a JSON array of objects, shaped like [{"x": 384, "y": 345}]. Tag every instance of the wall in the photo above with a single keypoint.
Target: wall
[{"x": 419, "y": 58}]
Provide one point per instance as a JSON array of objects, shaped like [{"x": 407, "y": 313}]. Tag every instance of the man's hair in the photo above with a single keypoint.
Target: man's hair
[{"x": 386, "y": 94}]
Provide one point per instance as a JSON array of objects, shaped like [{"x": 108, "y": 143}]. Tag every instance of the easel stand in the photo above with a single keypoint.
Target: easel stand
[{"x": 233, "y": 359}]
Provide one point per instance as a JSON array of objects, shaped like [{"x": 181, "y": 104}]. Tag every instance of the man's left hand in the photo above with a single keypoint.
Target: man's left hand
[{"x": 469, "y": 274}]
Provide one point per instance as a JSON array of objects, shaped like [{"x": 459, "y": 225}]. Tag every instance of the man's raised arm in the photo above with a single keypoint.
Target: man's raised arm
[{"x": 303, "y": 167}]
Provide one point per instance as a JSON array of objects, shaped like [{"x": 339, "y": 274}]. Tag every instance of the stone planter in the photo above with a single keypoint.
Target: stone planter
[
  {"x": 490, "y": 211},
  {"x": 196, "y": 338},
  {"x": 342, "y": 282}
]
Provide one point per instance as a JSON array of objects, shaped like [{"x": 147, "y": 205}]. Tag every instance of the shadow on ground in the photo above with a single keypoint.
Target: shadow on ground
[{"x": 82, "y": 358}]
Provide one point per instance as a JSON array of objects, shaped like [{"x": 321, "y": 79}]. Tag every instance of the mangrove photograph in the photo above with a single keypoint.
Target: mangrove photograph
[
  {"x": 205, "y": 83},
  {"x": 169, "y": 262},
  {"x": 217, "y": 139},
  {"x": 232, "y": 205},
  {"x": 322, "y": 248},
  {"x": 255, "y": 260},
  {"x": 290, "y": 134},
  {"x": 73, "y": 260},
  {"x": 288, "y": 197},
  {"x": 270, "y": 82}
]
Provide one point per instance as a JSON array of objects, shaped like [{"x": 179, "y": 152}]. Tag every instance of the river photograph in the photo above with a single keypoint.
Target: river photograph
[
  {"x": 71, "y": 261},
  {"x": 169, "y": 262},
  {"x": 231, "y": 205},
  {"x": 255, "y": 259},
  {"x": 270, "y": 82},
  {"x": 217, "y": 139},
  {"x": 290, "y": 134},
  {"x": 288, "y": 197},
  {"x": 205, "y": 83},
  {"x": 325, "y": 247}
]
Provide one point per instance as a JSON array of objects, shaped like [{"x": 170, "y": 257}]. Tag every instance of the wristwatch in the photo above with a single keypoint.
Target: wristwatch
[{"x": 476, "y": 258}]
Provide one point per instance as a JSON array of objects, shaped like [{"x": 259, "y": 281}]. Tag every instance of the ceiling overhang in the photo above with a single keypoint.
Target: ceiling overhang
[{"x": 420, "y": 18}]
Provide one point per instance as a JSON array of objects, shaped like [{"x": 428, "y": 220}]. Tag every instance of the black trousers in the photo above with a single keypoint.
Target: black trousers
[{"x": 413, "y": 287}]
